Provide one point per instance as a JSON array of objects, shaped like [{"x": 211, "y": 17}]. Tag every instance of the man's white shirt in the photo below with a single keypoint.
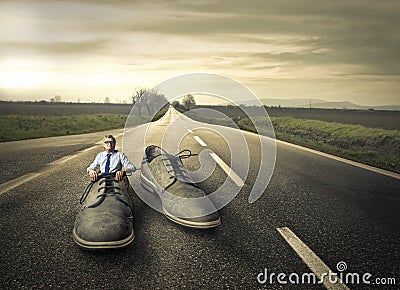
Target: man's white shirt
[{"x": 118, "y": 160}]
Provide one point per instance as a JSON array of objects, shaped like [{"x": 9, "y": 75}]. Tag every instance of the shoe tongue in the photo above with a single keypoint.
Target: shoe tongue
[{"x": 152, "y": 151}]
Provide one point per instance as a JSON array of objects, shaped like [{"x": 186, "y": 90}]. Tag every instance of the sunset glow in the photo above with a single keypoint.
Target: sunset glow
[{"x": 94, "y": 49}]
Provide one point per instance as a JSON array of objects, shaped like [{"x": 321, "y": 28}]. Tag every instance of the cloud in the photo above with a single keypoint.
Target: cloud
[
  {"x": 249, "y": 40},
  {"x": 54, "y": 48}
]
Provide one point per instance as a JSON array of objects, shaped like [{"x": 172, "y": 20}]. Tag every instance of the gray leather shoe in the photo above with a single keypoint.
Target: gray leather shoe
[
  {"x": 105, "y": 219},
  {"x": 182, "y": 201}
]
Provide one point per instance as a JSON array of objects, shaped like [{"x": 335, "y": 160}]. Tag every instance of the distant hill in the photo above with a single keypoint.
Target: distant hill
[{"x": 317, "y": 103}]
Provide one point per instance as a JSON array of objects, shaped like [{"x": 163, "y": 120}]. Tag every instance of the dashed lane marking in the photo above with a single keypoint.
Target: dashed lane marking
[
  {"x": 201, "y": 142},
  {"x": 229, "y": 171},
  {"x": 316, "y": 265},
  {"x": 232, "y": 174}
]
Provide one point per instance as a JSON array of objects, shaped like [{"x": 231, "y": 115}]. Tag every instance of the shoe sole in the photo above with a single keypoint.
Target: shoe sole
[
  {"x": 149, "y": 186},
  {"x": 88, "y": 245},
  {"x": 196, "y": 225}
]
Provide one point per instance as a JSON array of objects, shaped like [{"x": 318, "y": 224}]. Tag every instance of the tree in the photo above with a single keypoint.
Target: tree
[
  {"x": 153, "y": 101},
  {"x": 106, "y": 100},
  {"x": 136, "y": 98},
  {"x": 56, "y": 99},
  {"x": 150, "y": 99},
  {"x": 189, "y": 102},
  {"x": 175, "y": 104}
]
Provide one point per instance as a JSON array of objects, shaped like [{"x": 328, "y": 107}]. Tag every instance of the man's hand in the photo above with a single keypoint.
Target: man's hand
[
  {"x": 93, "y": 175},
  {"x": 120, "y": 174}
]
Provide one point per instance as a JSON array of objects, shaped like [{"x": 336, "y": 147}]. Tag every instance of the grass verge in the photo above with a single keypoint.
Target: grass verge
[
  {"x": 20, "y": 127},
  {"x": 373, "y": 146}
]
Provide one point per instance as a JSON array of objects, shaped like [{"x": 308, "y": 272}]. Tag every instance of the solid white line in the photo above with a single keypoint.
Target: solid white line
[
  {"x": 201, "y": 142},
  {"x": 190, "y": 131},
  {"x": 6, "y": 186},
  {"x": 90, "y": 148},
  {"x": 63, "y": 159},
  {"x": 363, "y": 166},
  {"x": 316, "y": 265},
  {"x": 232, "y": 174}
]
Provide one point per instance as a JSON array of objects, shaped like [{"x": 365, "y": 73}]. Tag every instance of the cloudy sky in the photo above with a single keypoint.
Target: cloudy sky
[{"x": 89, "y": 50}]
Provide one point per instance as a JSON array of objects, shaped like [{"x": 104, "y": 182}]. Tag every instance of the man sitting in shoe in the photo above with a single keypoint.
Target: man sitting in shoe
[{"x": 110, "y": 161}]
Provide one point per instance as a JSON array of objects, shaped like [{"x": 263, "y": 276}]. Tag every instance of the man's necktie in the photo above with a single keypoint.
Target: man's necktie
[{"x": 108, "y": 163}]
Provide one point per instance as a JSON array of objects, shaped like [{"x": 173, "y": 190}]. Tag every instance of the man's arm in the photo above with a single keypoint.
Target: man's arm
[
  {"x": 95, "y": 164},
  {"x": 128, "y": 166},
  {"x": 92, "y": 169}
]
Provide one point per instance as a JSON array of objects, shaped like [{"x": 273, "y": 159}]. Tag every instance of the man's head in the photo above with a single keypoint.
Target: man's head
[{"x": 109, "y": 143}]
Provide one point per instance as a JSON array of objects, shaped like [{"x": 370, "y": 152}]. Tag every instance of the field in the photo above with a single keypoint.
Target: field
[
  {"x": 18, "y": 127},
  {"x": 61, "y": 109},
  {"x": 369, "y": 118},
  {"x": 27, "y": 120},
  {"x": 370, "y": 137}
]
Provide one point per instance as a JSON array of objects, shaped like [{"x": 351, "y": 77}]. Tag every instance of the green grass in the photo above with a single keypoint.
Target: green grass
[
  {"x": 19, "y": 127},
  {"x": 373, "y": 146}
]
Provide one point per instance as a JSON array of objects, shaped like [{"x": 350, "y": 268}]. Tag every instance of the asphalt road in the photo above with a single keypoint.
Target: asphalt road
[{"x": 343, "y": 213}]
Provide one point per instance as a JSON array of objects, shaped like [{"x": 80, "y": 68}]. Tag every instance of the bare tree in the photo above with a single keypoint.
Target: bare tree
[
  {"x": 154, "y": 101},
  {"x": 137, "y": 98},
  {"x": 189, "y": 102},
  {"x": 148, "y": 98}
]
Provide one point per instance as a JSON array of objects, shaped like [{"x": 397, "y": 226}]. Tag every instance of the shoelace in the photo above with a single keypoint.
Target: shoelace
[
  {"x": 179, "y": 172},
  {"x": 109, "y": 190}
]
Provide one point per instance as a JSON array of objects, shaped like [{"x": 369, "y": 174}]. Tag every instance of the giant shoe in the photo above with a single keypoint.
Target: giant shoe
[
  {"x": 105, "y": 219},
  {"x": 182, "y": 201}
]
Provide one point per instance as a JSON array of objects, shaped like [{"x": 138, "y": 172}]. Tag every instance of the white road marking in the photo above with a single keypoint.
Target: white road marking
[
  {"x": 201, "y": 142},
  {"x": 190, "y": 131},
  {"x": 90, "y": 148},
  {"x": 63, "y": 160},
  {"x": 6, "y": 186},
  {"x": 360, "y": 165},
  {"x": 232, "y": 174},
  {"x": 69, "y": 157},
  {"x": 316, "y": 265}
]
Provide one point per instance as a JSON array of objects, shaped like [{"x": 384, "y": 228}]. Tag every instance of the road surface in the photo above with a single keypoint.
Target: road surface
[{"x": 316, "y": 214}]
